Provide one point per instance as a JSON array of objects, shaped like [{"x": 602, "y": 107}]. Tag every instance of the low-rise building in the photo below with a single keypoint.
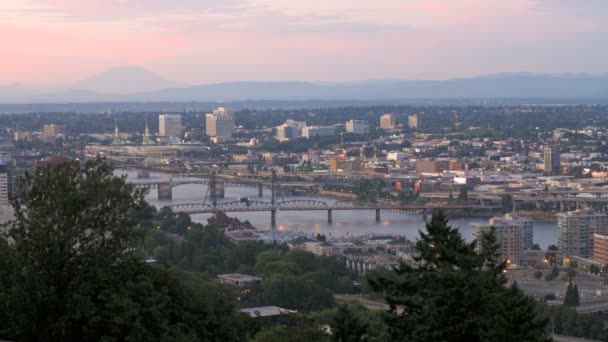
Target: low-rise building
[
  {"x": 357, "y": 126},
  {"x": 322, "y": 131},
  {"x": 239, "y": 280}
]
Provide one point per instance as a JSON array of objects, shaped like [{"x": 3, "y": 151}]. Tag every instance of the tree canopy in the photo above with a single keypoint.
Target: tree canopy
[
  {"x": 70, "y": 272},
  {"x": 456, "y": 291}
]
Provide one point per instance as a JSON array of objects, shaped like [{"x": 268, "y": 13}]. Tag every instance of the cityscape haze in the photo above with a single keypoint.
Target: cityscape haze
[{"x": 264, "y": 170}]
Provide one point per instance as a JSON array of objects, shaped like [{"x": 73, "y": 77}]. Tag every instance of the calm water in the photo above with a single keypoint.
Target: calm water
[{"x": 344, "y": 221}]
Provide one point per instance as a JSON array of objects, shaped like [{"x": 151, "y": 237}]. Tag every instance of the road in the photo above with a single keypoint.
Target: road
[
  {"x": 592, "y": 307},
  {"x": 562, "y": 338}
]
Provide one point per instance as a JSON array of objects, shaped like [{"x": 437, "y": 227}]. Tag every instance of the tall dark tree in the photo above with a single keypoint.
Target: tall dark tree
[
  {"x": 69, "y": 271},
  {"x": 571, "y": 298},
  {"x": 347, "y": 327},
  {"x": 457, "y": 292}
]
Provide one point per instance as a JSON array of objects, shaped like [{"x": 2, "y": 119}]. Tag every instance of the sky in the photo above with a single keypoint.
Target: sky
[{"x": 45, "y": 42}]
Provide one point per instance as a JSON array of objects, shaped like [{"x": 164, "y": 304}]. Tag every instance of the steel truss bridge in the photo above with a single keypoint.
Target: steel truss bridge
[{"x": 309, "y": 205}]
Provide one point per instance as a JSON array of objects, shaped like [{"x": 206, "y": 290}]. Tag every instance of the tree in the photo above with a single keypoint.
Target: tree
[
  {"x": 70, "y": 272},
  {"x": 347, "y": 327},
  {"x": 538, "y": 275},
  {"x": 457, "y": 293},
  {"x": 571, "y": 298},
  {"x": 464, "y": 194}
]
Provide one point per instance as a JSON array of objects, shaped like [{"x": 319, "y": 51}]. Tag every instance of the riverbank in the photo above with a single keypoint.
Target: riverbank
[{"x": 538, "y": 215}]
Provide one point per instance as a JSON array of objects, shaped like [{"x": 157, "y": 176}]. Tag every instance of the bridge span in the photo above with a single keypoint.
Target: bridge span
[{"x": 311, "y": 205}]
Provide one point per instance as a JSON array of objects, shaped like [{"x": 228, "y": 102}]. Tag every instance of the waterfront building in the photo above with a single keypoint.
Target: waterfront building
[
  {"x": 510, "y": 237},
  {"x": 220, "y": 123},
  {"x": 526, "y": 224},
  {"x": 346, "y": 165},
  {"x": 387, "y": 121},
  {"x": 357, "y": 126},
  {"x": 576, "y": 231},
  {"x": 170, "y": 125}
]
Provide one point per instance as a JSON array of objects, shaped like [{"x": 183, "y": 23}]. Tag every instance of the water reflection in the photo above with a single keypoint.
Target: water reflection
[{"x": 345, "y": 222}]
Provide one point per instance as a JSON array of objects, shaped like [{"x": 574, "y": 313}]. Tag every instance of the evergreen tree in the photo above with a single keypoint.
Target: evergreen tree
[
  {"x": 577, "y": 298},
  {"x": 464, "y": 194},
  {"x": 347, "y": 327},
  {"x": 572, "y": 297},
  {"x": 455, "y": 293},
  {"x": 69, "y": 272}
]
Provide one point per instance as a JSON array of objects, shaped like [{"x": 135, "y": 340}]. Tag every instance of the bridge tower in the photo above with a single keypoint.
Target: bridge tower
[
  {"x": 273, "y": 212},
  {"x": 212, "y": 189}
]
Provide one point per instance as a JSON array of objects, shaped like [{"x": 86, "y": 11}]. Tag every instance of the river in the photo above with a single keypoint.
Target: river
[{"x": 345, "y": 222}]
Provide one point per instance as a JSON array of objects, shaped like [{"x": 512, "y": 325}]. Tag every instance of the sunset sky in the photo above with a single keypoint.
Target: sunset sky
[{"x": 201, "y": 41}]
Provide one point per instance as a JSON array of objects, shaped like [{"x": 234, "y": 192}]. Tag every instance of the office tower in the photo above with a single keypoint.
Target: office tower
[
  {"x": 170, "y": 125},
  {"x": 50, "y": 133},
  {"x": 291, "y": 129},
  {"x": 576, "y": 230},
  {"x": 510, "y": 237},
  {"x": 220, "y": 123},
  {"x": 526, "y": 224},
  {"x": 357, "y": 126},
  {"x": 4, "y": 182},
  {"x": 387, "y": 121},
  {"x": 6, "y": 210},
  {"x": 322, "y": 131},
  {"x": 552, "y": 162},
  {"x": 412, "y": 121}
]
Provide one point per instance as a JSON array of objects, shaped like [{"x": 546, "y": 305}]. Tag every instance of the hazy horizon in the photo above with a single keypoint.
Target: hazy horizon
[{"x": 62, "y": 42}]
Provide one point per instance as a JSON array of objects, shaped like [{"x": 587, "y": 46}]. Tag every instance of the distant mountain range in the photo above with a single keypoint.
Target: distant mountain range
[{"x": 139, "y": 85}]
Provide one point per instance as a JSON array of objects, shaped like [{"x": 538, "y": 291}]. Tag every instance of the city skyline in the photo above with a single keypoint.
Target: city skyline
[{"x": 199, "y": 42}]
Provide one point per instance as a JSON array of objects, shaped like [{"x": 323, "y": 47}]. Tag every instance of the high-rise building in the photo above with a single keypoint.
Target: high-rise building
[
  {"x": 412, "y": 121},
  {"x": 50, "y": 133},
  {"x": 510, "y": 237},
  {"x": 322, "y": 131},
  {"x": 220, "y": 123},
  {"x": 387, "y": 121},
  {"x": 552, "y": 162},
  {"x": 22, "y": 135},
  {"x": 576, "y": 230},
  {"x": 357, "y": 126},
  {"x": 170, "y": 125},
  {"x": 526, "y": 224},
  {"x": 4, "y": 181},
  {"x": 6, "y": 210},
  {"x": 291, "y": 129},
  {"x": 600, "y": 248}
]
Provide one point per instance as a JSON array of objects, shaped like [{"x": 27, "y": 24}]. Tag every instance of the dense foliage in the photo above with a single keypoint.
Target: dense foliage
[
  {"x": 457, "y": 292},
  {"x": 69, "y": 271}
]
